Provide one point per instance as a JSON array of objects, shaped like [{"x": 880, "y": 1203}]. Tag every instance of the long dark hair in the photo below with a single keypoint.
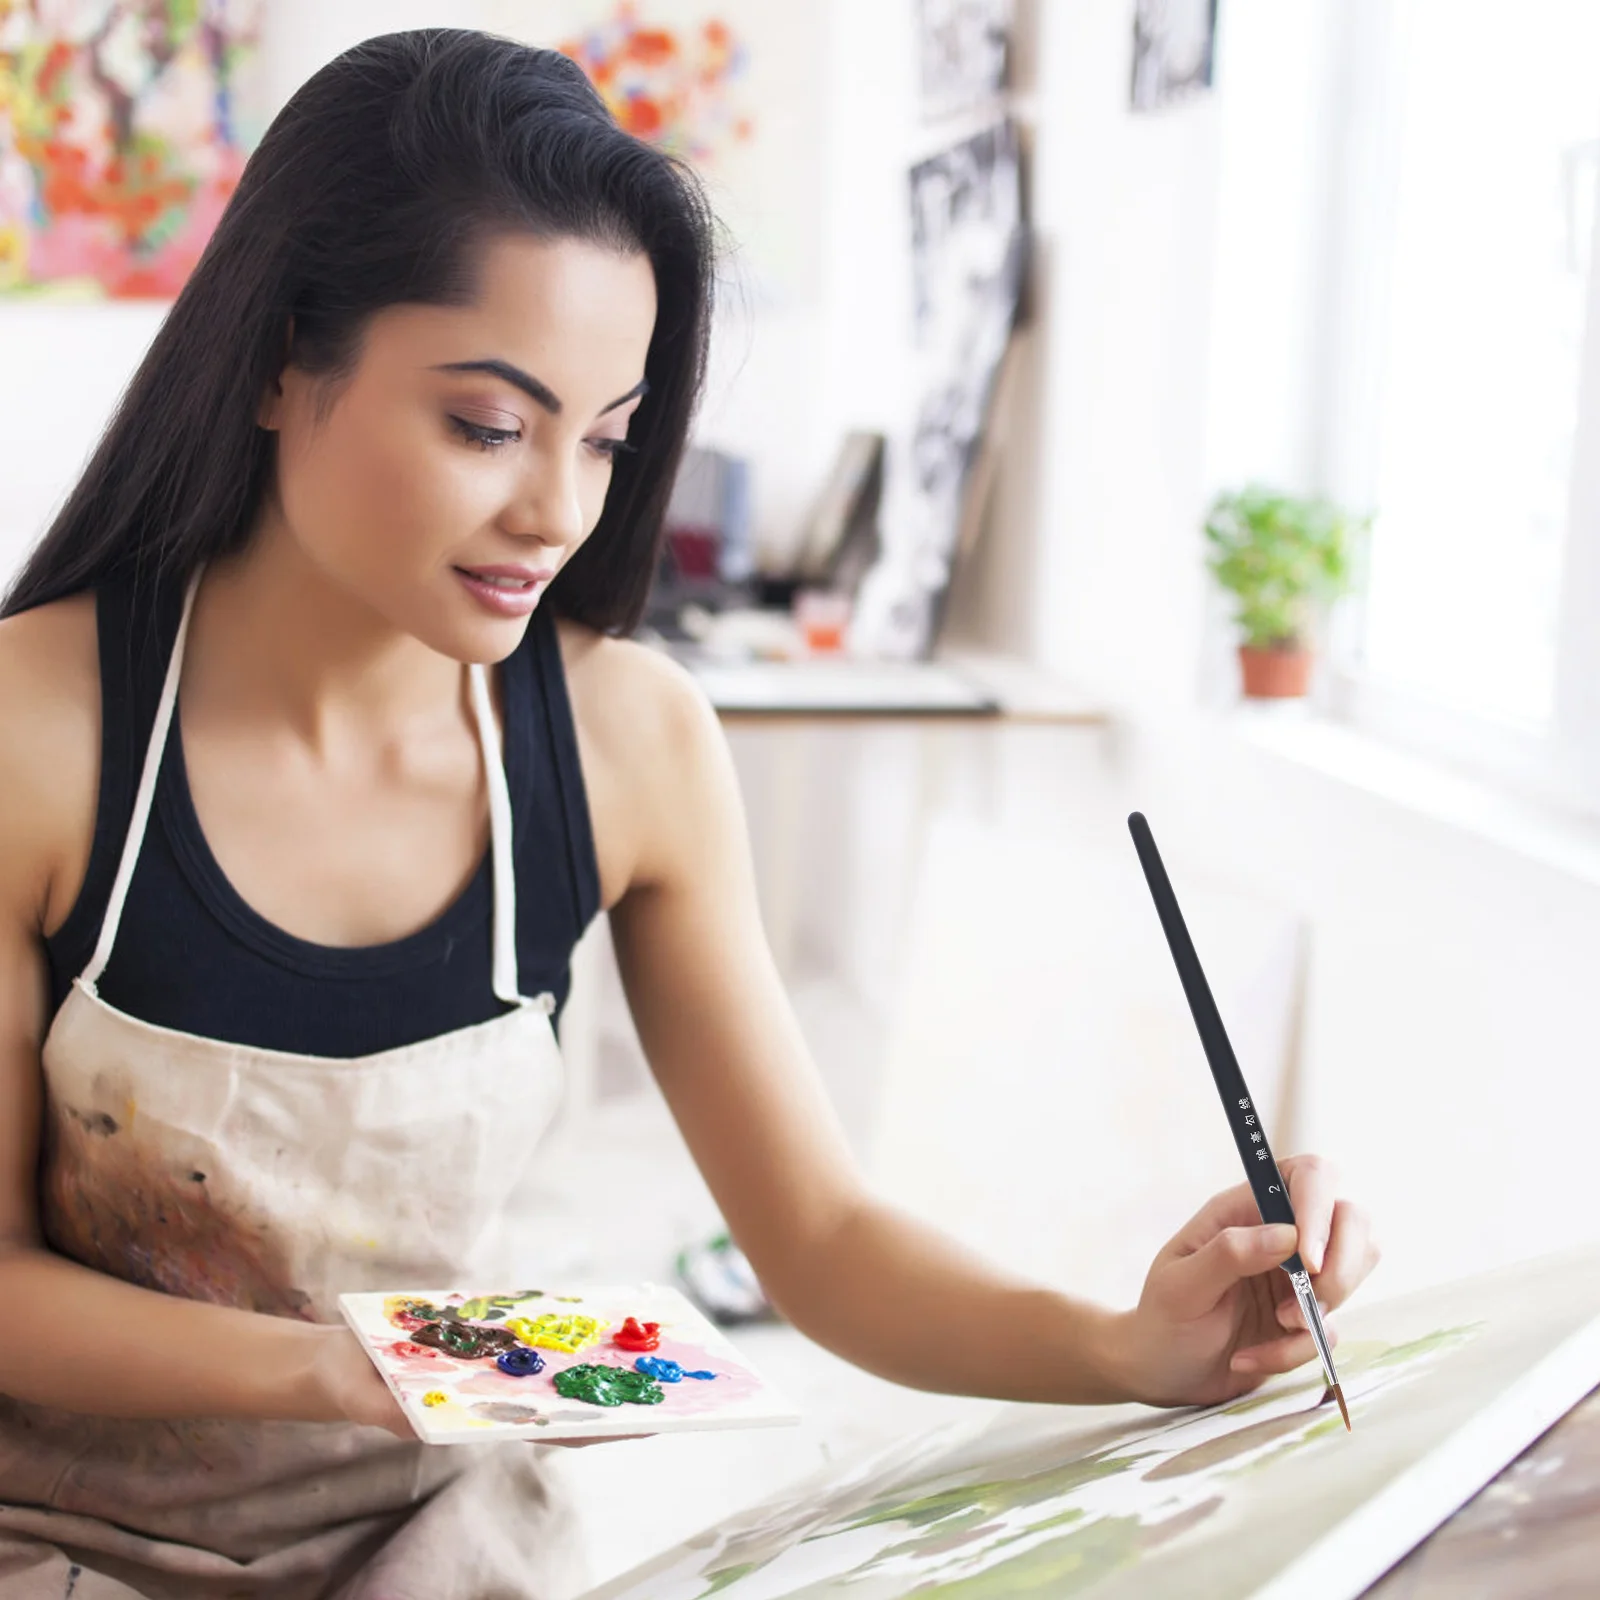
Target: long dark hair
[{"x": 380, "y": 183}]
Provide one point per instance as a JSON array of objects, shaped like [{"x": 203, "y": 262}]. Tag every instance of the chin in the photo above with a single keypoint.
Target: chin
[
  {"x": 487, "y": 641},
  {"x": 460, "y": 629}
]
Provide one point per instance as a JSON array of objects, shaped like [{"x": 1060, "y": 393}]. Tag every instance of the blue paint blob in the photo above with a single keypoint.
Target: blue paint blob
[
  {"x": 664, "y": 1371},
  {"x": 520, "y": 1362}
]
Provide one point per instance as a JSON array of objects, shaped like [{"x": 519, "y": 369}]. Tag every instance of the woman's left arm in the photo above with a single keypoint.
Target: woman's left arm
[{"x": 874, "y": 1285}]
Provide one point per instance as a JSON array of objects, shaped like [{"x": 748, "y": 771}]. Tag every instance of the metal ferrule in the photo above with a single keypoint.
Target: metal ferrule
[{"x": 1313, "y": 1320}]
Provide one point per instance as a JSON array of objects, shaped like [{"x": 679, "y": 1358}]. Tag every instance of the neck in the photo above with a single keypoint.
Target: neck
[{"x": 274, "y": 635}]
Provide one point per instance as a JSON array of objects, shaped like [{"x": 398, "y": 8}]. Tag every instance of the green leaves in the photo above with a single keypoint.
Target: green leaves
[{"x": 1279, "y": 555}]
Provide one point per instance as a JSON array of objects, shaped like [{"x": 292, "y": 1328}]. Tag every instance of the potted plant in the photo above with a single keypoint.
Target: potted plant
[{"x": 1279, "y": 556}]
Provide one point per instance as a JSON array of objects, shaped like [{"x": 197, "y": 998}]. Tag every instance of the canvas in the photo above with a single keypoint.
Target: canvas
[
  {"x": 1267, "y": 1497},
  {"x": 561, "y": 1364}
]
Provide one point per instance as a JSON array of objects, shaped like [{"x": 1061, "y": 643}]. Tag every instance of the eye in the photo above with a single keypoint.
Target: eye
[
  {"x": 484, "y": 438},
  {"x": 611, "y": 448}
]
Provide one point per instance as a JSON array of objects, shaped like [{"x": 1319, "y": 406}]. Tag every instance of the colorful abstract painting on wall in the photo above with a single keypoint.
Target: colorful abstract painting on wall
[
  {"x": 672, "y": 86},
  {"x": 124, "y": 126}
]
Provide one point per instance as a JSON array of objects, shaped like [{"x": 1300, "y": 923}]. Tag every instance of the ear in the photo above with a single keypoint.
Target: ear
[{"x": 267, "y": 411}]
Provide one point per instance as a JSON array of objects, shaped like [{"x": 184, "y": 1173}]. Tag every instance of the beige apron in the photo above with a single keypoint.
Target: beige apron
[{"x": 274, "y": 1182}]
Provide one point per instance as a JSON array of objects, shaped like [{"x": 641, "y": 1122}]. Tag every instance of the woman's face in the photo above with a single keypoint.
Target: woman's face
[{"x": 470, "y": 453}]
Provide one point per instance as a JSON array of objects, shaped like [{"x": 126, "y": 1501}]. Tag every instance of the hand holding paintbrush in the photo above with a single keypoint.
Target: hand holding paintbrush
[
  {"x": 1213, "y": 1291},
  {"x": 1217, "y": 1316}
]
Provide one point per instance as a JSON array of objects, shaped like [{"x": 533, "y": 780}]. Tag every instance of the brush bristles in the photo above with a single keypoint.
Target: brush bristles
[{"x": 1344, "y": 1410}]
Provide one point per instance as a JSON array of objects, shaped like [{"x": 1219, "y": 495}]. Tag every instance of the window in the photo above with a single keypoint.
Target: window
[{"x": 1472, "y": 157}]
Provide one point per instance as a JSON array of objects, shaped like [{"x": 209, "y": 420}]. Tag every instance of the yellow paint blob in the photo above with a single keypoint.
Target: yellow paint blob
[
  {"x": 435, "y": 1397},
  {"x": 550, "y": 1332}
]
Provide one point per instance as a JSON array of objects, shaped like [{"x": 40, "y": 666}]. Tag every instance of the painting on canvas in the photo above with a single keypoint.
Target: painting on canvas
[
  {"x": 1267, "y": 1497},
  {"x": 123, "y": 131},
  {"x": 537, "y": 1364}
]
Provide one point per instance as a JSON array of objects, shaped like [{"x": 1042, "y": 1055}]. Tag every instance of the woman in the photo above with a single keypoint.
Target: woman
[{"x": 292, "y": 878}]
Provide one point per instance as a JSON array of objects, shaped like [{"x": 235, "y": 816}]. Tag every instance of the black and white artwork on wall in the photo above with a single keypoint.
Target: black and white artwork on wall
[
  {"x": 964, "y": 49},
  {"x": 968, "y": 252},
  {"x": 1173, "y": 45}
]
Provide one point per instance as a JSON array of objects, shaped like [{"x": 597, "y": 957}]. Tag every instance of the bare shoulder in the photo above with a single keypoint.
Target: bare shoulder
[
  {"x": 49, "y": 754},
  {"x": 625, "y": 689},
  {"x": 654, "y": 757}
]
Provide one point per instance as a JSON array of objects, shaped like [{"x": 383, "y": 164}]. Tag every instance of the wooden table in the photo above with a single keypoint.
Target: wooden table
[{"x": 1531, "y": 1534}]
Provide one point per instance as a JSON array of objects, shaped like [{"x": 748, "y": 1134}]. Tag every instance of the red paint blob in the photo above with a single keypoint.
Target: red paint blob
[{"x": 632, "y": 1336}]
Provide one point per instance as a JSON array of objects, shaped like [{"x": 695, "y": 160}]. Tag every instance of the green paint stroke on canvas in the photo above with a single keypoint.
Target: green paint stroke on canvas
[
  {"x": 980, "y": 1501},
  {"x": 730, "y": 1576},
  {"x": 1074, "y": 1563},
  {"x": 1428, "y": 1344},
  {"x": 949, "y": 1543}
]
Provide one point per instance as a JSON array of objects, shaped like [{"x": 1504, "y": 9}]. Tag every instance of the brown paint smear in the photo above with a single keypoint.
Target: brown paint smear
[
  {"x": 109, "y": 1203},
  {"x": 1240, "y": 1442}
]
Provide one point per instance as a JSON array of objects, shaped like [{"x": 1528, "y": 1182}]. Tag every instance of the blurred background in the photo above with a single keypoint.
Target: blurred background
[{"x": 1115, "y": 404}]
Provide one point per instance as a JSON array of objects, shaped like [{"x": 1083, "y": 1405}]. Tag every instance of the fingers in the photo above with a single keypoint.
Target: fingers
[
  {"x": 1312, "y": 1181},
  {"x": 1279, "y": 1355},
  {"x": 1232, "y": 1208},
  {"x": 1191, "y": 1285},
  {"x": 1352, "y": 1254},
  {"x": 1311, "y": 1192}
]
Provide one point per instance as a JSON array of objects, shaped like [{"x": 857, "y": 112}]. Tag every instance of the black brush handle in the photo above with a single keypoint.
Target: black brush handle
[{"x": 1266, "y": 1182}]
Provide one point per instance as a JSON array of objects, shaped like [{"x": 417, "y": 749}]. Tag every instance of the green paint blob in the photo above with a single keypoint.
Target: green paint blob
[{"x": 599, "y": 1385}]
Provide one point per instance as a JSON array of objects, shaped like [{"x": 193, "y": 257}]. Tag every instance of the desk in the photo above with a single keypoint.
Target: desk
[
  {"x": 960, "y": 685},
  {"x": 1531, "y": 1534}
]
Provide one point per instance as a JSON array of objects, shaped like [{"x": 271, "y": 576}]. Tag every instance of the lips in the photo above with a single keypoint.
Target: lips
[
  {"x": 505, "y": 590},
  {"x": 510, "y": 578}
]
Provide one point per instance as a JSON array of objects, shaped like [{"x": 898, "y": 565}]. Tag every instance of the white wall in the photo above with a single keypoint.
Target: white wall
[{"x": 1128, "y": 205}]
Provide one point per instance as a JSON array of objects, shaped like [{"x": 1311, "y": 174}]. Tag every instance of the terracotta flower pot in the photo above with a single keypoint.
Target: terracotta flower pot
[{"x": 1279, "y": 672}]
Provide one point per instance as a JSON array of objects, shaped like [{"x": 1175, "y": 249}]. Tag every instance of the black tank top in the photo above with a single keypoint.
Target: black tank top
[{"x": 193, "y": 956}]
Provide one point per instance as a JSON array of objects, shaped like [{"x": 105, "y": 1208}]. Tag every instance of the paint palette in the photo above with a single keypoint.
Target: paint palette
[{"x": 547, "y": 1364}]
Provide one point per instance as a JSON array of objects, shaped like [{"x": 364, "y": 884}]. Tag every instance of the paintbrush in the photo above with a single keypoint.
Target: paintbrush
[{"x": 1266, "y": 1183}]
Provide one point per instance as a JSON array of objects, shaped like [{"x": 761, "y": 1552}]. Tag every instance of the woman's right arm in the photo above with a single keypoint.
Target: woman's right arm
[{"x": 73, "y": 1337}]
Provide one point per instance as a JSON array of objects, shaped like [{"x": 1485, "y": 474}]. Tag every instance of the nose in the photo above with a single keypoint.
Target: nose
[{"x": 548, "y": 506}]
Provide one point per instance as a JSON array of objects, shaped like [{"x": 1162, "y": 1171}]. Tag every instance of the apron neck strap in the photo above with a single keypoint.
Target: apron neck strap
[
  {"x": 504, "y": 971},
  {"x": 144, "y": 798}
]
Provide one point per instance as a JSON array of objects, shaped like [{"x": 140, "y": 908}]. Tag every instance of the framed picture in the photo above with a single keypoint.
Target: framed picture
[
  {"x": 969, "y": 247},
  {"x": 1173, "y": 45},
  {"x": 964, "y": 52}
]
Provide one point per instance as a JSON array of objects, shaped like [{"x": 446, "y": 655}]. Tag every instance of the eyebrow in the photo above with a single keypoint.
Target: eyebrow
[{"x": 540, "y": 393}]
